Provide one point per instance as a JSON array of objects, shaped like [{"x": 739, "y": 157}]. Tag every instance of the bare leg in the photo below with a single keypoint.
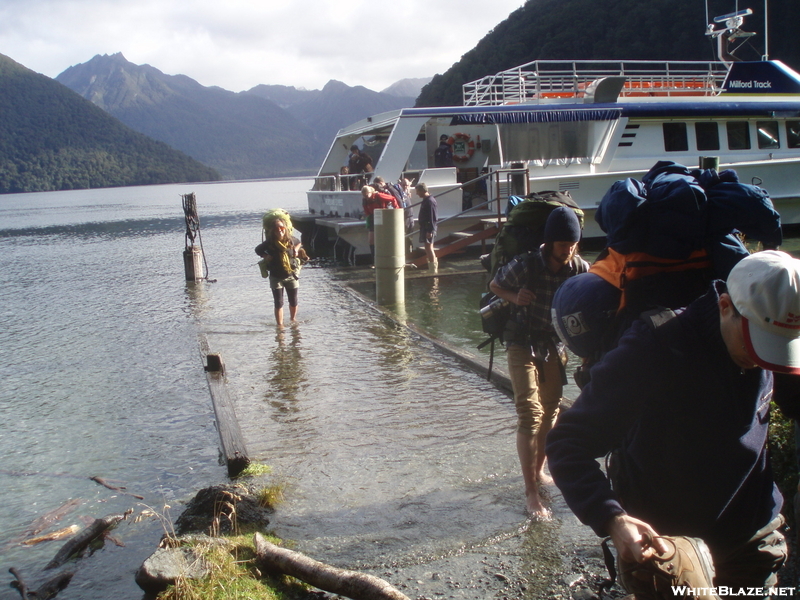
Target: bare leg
[
  {"x": 527, "y": 450},
  {"x": 279, "y": 316},
  {"x": 541, "y": 440},
  {"x": 293, "y": 313},
  {"x": 431, "y": 254}
]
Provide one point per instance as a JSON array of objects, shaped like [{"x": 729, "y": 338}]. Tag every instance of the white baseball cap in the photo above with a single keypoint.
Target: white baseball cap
[{"x": 765, "y": 289}]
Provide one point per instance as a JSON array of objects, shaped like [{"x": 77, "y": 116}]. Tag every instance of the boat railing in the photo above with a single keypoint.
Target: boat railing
[
  {"x": 514, "y": 178},
  {"x": 548, "y": 81},
  {"x": 340, "y": 183}
]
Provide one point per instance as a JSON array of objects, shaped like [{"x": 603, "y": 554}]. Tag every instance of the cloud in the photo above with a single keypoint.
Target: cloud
[{"x": 238, "y": 44}]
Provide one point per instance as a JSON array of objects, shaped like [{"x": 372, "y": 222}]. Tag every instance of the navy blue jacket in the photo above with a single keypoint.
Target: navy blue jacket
[{"x": 690, "y": 427}]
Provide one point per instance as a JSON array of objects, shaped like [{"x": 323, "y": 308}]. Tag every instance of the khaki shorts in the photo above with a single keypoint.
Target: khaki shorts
[{"x": 290, "y": 283}]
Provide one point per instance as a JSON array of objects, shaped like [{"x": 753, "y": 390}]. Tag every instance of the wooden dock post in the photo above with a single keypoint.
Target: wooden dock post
[
  {"x": 230, "y": 435},
  {"x": 390, "y": 256},
  {"x": 193, "y": 263}
]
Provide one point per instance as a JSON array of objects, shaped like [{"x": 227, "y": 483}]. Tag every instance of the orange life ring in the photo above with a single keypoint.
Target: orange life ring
[{"x": 463, "y": 147}]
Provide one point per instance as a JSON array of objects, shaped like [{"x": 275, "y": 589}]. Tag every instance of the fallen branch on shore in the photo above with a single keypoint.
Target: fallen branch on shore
[
  {"x": 47, "y": 590},
  {"x": 358, "y": 586},
  {"x": 48, "y": 537},
  {"x": 122, "y": 489},
  {"x": 84, "y": 538},
  {"x": 43, "y": 522},
  {"x": 96, "y": 479}
]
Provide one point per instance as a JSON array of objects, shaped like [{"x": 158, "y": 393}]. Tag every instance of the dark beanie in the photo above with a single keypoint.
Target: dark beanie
[{"x": 562, "y": 226}]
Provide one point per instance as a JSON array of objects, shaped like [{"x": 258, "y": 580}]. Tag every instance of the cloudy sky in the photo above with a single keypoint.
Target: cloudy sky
[{"x": 237, "y": 44}]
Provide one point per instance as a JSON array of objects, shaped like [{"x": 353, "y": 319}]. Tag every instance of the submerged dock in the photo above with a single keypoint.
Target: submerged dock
[{"x": 396, "y": 455}]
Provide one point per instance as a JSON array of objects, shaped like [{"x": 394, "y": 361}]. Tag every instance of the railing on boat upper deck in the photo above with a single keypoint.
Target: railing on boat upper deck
[{"x": 550, "y": 80}]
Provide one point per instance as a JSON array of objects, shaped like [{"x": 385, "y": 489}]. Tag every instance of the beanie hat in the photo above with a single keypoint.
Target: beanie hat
[
  {"x": 562, "y": 226},
  {"x": 583, "y": 312},
  {"x": 765, "y": 289}
]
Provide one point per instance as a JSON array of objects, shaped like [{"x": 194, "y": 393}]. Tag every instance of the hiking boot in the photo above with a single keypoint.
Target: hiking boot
[{"x": 685, "y": 571}]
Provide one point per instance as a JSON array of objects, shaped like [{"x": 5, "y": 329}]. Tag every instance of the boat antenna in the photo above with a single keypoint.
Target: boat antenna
[
  {"x": 731, "y": 29},
  {"x": 766, "y": 31}
]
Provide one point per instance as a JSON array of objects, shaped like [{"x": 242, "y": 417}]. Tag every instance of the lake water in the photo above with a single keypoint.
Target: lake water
[
  {"x": 100, "y": 371},
  {"x": 391, "y": 453},
  {"x": 389, "y": 450}
]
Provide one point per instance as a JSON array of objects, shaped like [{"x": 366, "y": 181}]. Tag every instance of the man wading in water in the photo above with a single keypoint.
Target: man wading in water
[{"x": 535, "y": 353}]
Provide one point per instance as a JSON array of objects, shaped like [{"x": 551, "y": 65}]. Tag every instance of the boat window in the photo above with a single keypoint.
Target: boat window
[
  {"x": 738, "y": 135},
  {"x": 793, "y": 134},
  {"x": 675, "y": 137},
  {"x": 767, "y": 134},
  {"x": 707, "y": 136},
  {"x": 542, "y": 144}
]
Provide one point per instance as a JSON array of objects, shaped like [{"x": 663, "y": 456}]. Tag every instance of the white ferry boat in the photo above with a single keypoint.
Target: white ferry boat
[{"x": 577, "y": 126}]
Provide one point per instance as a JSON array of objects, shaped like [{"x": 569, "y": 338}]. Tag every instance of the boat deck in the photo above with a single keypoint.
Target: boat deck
[{"x": 551, "y": 81}]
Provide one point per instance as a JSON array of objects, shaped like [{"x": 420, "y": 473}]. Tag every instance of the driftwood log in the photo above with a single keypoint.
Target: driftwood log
[
  {"x": 84, "y": 538},
  {"x": 49, "y": 537},
  {"x": 47, "y": 590},
  {"x": 115, "y": 488},
  {"x": 358, "y": 586}
]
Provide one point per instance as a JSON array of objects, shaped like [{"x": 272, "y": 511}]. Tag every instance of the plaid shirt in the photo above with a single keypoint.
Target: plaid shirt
[{"x": 530, "y": 270}]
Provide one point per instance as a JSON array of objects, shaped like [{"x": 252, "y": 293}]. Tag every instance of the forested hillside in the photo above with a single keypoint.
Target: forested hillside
[
  {"x": 52, "y": 139},
  {"x": 612, "y": 29}
]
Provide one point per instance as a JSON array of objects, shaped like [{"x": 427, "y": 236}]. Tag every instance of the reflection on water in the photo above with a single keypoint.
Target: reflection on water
[{"x": 288, "y": 381}]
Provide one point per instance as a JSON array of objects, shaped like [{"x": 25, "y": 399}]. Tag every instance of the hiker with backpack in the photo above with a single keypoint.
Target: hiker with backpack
[
  {"x": 534, "y": 353},
  {"x": 681, "y": 407},
  {"x": 282, "y": 256},
  {"x": 372, "y": 200}
]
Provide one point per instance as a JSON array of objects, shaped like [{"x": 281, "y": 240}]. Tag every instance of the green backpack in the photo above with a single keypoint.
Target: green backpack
[{"x": 523, "y": 231}]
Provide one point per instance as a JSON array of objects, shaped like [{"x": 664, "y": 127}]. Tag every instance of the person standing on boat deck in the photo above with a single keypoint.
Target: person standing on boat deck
[
  {"x": 428, "y": 223},
  {"x": 354, "y": 166},
  {"x": 358, "y": 163},
  {"x": 535, "y": 354},
  {"x": 443, "y": 155},
  {"x": 372, "y": 200},
  {"x": 682, "y": 404},
  {"x": 283, "y": 254}
]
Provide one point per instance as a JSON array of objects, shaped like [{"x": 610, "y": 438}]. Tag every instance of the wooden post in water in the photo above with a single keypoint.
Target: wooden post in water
[
  {"x": 230, "y": 435},
  {"x": 193, "y": 258},
  {"x": 193, "y": 263},
  {"x": 390, "y": 256}
]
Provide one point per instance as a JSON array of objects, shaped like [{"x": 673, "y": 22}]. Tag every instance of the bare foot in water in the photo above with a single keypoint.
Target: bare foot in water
[
  {"x": 536, "y": 510},
  {"x": 545, "y": 479}
]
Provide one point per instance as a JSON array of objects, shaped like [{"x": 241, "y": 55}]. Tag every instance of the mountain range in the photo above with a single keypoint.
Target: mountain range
[
  {"x": 267, "y": 131},
  {"x": 52, "y": 139}
]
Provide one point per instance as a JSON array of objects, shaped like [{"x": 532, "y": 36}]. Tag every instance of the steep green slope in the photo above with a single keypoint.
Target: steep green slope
[
  {"x": 611, "y": 29},
  {"x": 52, "y": 139}
]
